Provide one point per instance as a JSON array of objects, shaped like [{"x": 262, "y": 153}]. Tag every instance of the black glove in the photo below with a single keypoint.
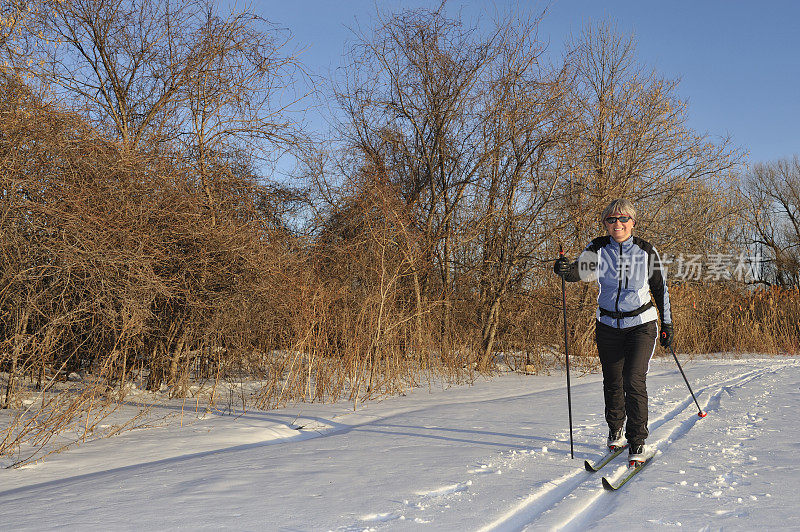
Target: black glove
[
  {"x": 561, "y": 266},
  {"x": 667, "y": 333}
]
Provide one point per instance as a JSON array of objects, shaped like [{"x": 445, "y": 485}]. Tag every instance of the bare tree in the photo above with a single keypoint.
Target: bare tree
[
  {"x": 772, "y": 218},
  {"x": 236, "y": 78},
  {"x": 525, "y": 123},
  {"x": 632, "y": 139},
  {"x": 155, "y": 71},
  {"x": 122, "y": 62},
  {"x": 462, "y": 121},
  {"x": 411, "y": 99}
]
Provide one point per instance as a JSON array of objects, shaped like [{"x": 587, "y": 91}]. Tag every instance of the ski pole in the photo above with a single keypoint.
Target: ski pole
[
  {"x": 700, "y": 411},
  {"x": 566, "y": 352}
]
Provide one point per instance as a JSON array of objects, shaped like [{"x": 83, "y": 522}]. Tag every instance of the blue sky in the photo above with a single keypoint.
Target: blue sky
[{"x": 738, "y": 61}]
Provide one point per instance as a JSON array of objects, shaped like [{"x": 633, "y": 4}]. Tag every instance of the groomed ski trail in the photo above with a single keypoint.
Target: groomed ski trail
[
  {"x": 479, "y": 457},
  {"x": 577, "y": 500}
]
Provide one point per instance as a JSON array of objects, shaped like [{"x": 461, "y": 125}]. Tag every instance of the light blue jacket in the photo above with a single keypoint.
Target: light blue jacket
[{"x": 630, "y": 277}]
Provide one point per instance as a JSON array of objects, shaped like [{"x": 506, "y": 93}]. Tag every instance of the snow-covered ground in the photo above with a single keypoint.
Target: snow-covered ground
[{"x": 491, "y": 456}]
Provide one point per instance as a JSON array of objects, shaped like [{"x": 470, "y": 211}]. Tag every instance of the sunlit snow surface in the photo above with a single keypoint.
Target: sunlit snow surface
[{"x": 491, "y": 456}]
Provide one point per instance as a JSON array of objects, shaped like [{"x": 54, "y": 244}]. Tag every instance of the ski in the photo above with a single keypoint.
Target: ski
[
  {"x": 631, "y": 473},
  {"x": 597, "y": 466}
]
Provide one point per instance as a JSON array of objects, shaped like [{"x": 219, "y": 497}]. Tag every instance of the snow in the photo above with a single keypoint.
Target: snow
[{"x": 491, "y": 456}]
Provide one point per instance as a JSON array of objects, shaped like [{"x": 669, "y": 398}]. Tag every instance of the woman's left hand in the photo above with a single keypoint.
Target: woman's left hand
[{"x": 667, "y": 333}]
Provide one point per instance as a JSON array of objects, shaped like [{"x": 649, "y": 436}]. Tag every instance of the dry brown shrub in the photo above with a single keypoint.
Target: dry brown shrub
[
  {"x": 729, "y": 318},
  {"x": 360, "y": 320},
  {"x": 112, "y": 267}
]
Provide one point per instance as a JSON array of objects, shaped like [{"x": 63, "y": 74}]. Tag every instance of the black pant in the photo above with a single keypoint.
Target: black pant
[{"x": 625, "y": 357}]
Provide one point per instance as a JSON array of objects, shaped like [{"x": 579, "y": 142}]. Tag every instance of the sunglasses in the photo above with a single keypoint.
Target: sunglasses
[{"x": 613, "y": 219}]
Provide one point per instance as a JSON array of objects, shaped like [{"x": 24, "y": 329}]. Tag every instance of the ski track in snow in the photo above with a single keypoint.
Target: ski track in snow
[{"x": 576, "y": 500}]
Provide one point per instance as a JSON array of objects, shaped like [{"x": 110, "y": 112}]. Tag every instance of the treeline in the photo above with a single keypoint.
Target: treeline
[{"x": 146, "y": 241}]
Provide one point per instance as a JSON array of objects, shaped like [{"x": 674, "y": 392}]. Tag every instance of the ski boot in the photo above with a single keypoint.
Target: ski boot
[
  {"x": 616, "y": 439},
  {"x": 636, "y": 455}
]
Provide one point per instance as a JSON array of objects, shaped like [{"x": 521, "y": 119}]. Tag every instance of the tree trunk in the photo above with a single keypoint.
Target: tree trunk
[
  {"x": 19, "y": 343},
  {"x": 489, "y": 334}
]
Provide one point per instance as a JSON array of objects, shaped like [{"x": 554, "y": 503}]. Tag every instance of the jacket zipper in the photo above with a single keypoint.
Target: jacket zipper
[{"x": 619, "y": 288}]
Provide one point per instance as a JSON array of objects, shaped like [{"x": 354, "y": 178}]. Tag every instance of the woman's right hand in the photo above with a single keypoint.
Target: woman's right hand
[{"x": 561, "y": 266}]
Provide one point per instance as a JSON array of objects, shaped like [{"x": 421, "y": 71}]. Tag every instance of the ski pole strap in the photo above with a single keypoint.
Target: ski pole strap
[{"x": 628, "y": 314}]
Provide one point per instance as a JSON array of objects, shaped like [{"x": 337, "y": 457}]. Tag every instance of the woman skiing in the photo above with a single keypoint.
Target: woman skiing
[{"x": 629, "y": 273}]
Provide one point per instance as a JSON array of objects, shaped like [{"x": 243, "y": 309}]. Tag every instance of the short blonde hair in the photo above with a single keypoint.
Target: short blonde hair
[{"x": 620, "y": 205}]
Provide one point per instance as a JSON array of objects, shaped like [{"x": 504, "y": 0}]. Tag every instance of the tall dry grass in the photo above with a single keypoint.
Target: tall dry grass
[{"x": 729, "y": 318}]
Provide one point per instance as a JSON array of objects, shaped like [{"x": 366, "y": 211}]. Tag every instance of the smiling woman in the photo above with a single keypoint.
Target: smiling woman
[{"x": 628, "y": 271}]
